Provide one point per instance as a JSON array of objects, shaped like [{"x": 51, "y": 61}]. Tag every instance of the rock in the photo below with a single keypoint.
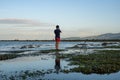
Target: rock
[{"x": 29, "y": 46}]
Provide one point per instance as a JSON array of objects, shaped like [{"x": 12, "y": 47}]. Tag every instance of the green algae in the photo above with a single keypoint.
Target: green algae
[
  {"x": 15, "y": 54},
  {"x": 51, "y": 50},
  {"x": 8, "y": 56},
  {"x": 100, "y": 62}
]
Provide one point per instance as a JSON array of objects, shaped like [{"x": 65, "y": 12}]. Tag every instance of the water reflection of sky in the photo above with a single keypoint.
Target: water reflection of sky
[
  {"x": 7, "y": 46},
  {"x": 42, "y": 62},
  {"x": 80, "y": 76},
  {"x": 47, "y": 62},
  {"x": 16, "y": 45}
]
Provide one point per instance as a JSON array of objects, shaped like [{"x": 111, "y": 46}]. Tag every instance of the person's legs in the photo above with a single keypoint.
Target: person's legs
[{"x": 57, "y": 43}]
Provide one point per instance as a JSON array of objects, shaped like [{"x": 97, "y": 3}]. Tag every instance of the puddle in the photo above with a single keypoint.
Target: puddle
[{"x": 46, "y": 66}]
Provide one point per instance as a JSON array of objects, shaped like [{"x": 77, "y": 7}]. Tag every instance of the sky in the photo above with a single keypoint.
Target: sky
[{"x": 36, "y": 19}]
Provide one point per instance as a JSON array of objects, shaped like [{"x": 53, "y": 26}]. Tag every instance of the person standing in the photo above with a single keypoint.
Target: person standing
[{"x": 57, "y": 32}]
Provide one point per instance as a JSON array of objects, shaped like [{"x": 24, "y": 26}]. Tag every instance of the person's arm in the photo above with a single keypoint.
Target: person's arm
[
  {"x": 60, "y": 31},
  {"x": 54, "y": 31}
]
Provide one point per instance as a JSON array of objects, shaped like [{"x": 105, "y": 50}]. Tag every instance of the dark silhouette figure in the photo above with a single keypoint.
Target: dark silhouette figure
[
  {"x": 57, "y": 32},
  {"x": 57, "y": 62}
]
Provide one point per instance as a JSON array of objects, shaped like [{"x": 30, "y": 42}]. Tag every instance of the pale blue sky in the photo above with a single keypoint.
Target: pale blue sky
[{"x": 36, "y": 19}]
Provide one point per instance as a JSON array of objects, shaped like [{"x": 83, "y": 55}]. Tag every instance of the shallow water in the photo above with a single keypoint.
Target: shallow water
[
  {"x": 30, "y": 63},
  {"x": 16, "y": 45},
  {"x": 80, "y": 76},
  {"x": 37, "y": 45},
  {"x": 45, "y": 62}
]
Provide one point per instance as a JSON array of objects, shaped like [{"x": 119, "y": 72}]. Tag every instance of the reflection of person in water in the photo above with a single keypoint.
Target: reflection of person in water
[{"x": 57, "y": 63}]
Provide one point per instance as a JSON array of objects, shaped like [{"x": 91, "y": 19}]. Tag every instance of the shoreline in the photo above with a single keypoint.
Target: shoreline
[{"x": 87, "y": 40}]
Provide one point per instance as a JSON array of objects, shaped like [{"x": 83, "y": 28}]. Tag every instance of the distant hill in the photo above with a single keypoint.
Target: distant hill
[
  {"x": 102, "y": 36},
  {"x": 72, "y": 38}
]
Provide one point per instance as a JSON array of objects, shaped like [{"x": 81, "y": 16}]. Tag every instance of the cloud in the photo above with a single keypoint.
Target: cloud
[
  {"x": 12, "y": 33},
  {"x": 24, "y": 22}
]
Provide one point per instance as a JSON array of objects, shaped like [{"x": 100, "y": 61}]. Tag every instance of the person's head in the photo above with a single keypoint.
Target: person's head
[{"x": 57, "y": 26}]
